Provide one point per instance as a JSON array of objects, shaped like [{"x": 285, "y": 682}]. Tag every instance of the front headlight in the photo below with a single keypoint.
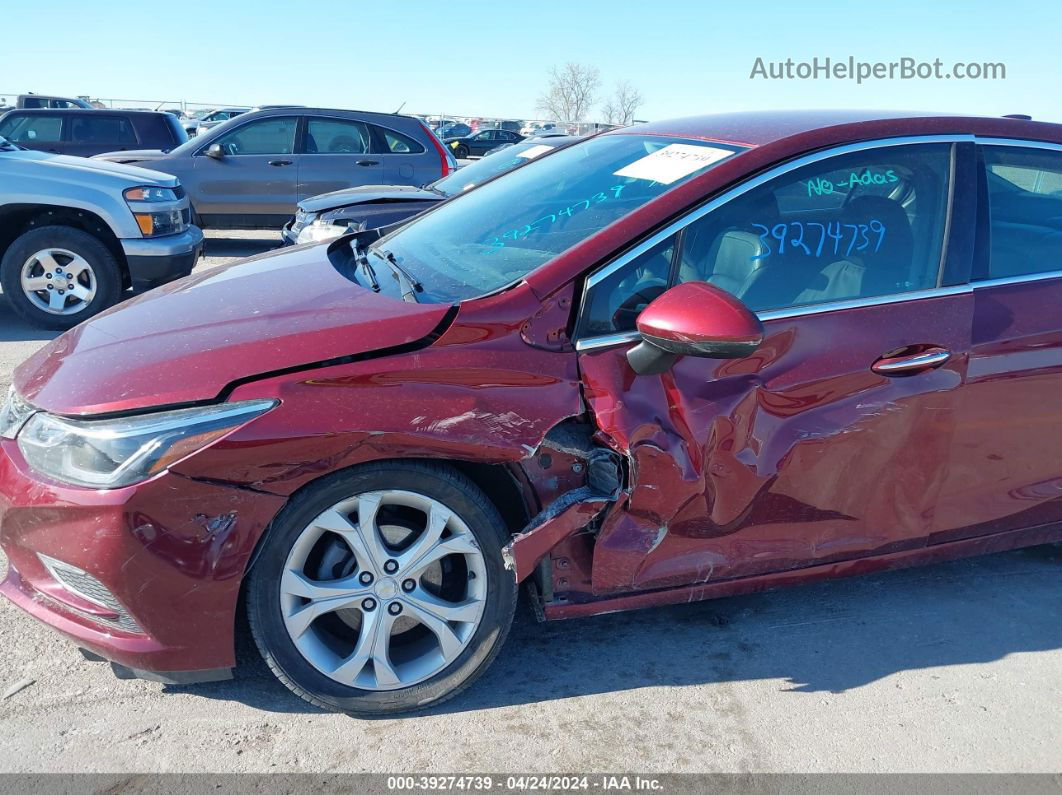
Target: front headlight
[
  {"x": 14, "y": 414},
  {"x": 155, "y": 222},
  {"x": 319, "y": 231},
  {"x": 107, "y": 454},
  {"x": 150, "y": 193}
]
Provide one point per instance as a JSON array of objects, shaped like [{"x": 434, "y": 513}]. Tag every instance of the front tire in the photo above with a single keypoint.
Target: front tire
[
  {"x": 382, "y": 589},
  {"x": 461, "y": 153},
  {"x": 57, "y": 276}
]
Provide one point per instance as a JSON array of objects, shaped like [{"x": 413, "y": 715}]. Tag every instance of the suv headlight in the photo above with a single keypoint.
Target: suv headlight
[
  {"x": 155, "y": 222},
  {"x": 107, "y": 454}
]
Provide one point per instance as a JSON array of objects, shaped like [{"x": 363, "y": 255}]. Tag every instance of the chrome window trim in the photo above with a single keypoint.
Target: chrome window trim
[
  {"x": 1019, "y": 142},
  {"x": 608, "y": 340},
  {"x": 1026, "y": 277}
]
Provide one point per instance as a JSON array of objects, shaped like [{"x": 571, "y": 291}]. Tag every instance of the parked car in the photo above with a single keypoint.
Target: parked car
[
  {"x": 481, "y": 142},
  {"x": 536, "y": 129},
  {"x": 90, "y": 132},
  {"x": 454, "y": 130},
  {"x": 329, "y": 215},
  {"x": 42, "y": 101},
  {"x": 212, "y": 119},
  {"x": 252, "y": 170},
  {"x": 76, "y": 233},
  {"x": 690, "y": 359}
]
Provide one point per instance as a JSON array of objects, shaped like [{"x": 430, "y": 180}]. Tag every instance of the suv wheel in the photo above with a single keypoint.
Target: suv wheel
[
  {"x": 383, "y": 589},
  {"x": 57, "y": 276}
]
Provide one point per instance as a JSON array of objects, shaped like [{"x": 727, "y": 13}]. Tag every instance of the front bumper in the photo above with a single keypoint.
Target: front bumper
[
  {"x": 157, "y": 260},
  {"x": 171, "y": 552}
]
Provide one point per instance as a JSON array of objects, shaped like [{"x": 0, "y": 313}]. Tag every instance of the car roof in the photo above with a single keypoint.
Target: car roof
[
  {"x": 757, "y": 128},
  {"x": 94, "y": 111},
  {"x": 286, "y": 110}
]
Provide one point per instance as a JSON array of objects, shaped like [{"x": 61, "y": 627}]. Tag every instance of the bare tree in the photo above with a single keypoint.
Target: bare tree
[
  {"x": 571, "y": 92},
  {"x": 623, "y": 104}
]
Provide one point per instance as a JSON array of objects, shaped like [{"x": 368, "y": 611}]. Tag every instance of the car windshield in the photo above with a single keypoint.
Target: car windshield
[
  {"x": 6, "y": 145},
  {"x": 489, "y": 238},
  {"x": 480, "y": 171}
]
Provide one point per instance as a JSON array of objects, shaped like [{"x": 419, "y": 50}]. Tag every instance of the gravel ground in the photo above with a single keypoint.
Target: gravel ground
[{"x": 955, "y": 667}]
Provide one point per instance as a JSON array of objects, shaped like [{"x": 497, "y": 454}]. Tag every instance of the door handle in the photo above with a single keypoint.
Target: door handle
[
  {"x": 912, "y": 362},
  {"x": 368, "y": 162},
  {"x": 280, "y": 162}
]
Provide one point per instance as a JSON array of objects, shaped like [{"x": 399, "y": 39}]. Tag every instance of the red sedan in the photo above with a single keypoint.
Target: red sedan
[{"x": 676, "y": 361}]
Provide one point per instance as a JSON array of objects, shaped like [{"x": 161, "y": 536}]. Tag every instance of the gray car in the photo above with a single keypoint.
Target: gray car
[{"x": 251, "y": 171}]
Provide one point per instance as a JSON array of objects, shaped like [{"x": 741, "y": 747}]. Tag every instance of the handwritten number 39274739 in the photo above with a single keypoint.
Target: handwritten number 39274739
[{"x": 808, "y": 235}]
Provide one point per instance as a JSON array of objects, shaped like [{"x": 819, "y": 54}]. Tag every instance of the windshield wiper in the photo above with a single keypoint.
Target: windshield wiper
[
  {"x": 369, "y": 272},
  {"x": 409, "y": 283}
]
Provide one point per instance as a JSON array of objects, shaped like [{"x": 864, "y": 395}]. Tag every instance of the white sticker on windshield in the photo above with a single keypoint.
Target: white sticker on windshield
[
  {"x": 673, "y": 162},
  {"x": 534, "y": 151}
]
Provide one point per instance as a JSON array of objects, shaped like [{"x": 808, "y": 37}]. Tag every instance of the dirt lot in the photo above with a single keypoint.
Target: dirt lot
[{"x": 956, "y": 667}]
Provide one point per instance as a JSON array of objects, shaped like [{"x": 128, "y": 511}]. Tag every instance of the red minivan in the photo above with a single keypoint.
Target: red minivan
[{"x": 677, "y": 361}]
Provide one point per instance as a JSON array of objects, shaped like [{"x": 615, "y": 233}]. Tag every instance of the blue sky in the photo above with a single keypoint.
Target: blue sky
[{"x": 686, "y": 57}]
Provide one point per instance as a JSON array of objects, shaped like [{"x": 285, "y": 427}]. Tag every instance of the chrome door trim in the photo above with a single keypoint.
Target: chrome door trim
[{"x": 608, "y": 340}]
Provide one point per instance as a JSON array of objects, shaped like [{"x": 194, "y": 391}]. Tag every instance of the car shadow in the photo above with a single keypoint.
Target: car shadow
[
  {"x": 15, "y": 329},
  {"x": 828, "y": 637},
  {"x": 241, "y": 246}
]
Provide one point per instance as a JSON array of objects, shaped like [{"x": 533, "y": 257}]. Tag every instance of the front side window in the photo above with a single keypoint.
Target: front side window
[
  {"x": 852, "y": 226},
  {"x": 488, "y": 238},
  {"x": 1025, "y": 210},
  {"x": 30, "y": 129},
  {"x": 336, "y": 137},
  {"x": 262, "y": 137}
]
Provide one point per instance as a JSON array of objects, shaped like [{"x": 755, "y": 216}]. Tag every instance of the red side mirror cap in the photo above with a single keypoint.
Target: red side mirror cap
[{"x": 694, "y": 319}]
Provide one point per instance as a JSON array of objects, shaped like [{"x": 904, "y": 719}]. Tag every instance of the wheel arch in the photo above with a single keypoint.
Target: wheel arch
[{"x": 17, "y": 219}]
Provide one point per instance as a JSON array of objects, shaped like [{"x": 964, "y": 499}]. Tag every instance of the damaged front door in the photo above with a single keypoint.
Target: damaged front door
[{"x": 830, "y": 442}]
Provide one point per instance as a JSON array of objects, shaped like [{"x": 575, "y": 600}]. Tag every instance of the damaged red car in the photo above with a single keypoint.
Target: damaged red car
[{"x": 676, "y": 361}]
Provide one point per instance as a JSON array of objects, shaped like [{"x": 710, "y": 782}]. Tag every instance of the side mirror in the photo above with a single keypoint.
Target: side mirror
[
  {"x": 693, "y": 319},
  {"x": 215, "y": 151}
]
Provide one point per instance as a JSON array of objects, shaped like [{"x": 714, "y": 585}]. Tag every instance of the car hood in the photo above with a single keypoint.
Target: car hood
[
  {"x": 366, "y": 194},
  {"x": 131, "y": 155},
  {"x": 187, "y": 341},
  {"x": 64, "y": 168}
]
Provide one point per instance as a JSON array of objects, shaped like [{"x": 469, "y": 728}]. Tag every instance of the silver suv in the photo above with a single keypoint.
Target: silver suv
[{"x": 76, "y": 233}]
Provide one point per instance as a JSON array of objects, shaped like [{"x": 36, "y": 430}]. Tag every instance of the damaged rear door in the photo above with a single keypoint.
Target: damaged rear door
[{"x": 831, "y": 441}]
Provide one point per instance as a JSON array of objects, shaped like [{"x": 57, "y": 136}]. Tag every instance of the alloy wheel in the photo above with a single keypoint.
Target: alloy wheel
[
  {"x": 383, "y": 590},
  {"x": 58, "y": 281}
]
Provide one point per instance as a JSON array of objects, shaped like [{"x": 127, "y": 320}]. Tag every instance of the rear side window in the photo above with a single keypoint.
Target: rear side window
[
  {"x": 30, "y": 129},
  {"x": 1025, "y": 210},
  {"x": 92, "y": 128},
  {"x": 399, "y": 144},
  {"x": 336, "y": 137}
]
